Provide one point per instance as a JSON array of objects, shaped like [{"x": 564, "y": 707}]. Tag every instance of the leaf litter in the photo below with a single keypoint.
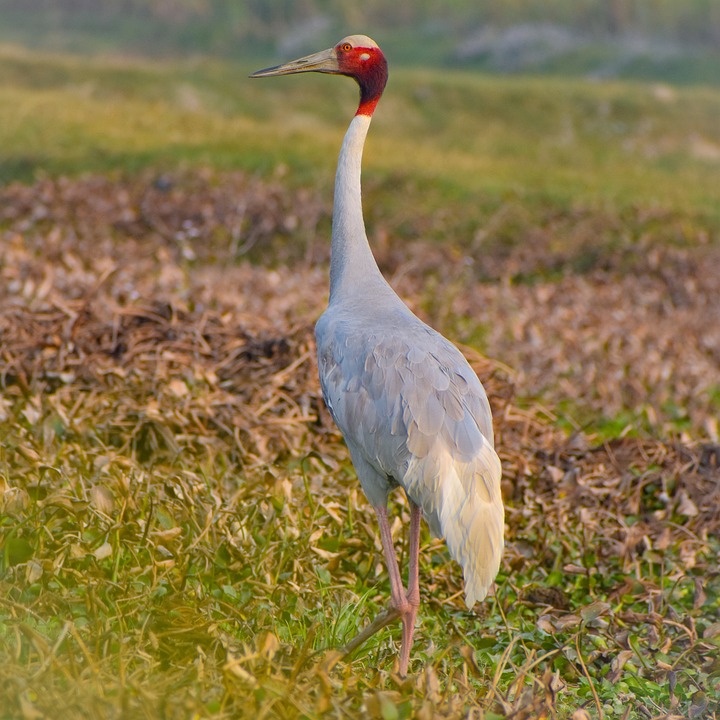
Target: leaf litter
[{"x": 182, "y": 532}]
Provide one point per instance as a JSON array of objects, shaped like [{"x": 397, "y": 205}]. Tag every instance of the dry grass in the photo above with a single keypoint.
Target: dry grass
[{"x": 182, "y": 533}]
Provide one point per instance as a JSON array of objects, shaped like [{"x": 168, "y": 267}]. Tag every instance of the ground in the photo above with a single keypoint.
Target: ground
[{"x": 182, "y": 531}]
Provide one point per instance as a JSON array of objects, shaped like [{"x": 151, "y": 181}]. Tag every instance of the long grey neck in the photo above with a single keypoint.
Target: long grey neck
[{"x": 352, "y": 265}]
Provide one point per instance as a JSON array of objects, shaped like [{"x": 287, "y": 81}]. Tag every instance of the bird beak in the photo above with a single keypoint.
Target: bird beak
[{"x": 324, "y": 61}]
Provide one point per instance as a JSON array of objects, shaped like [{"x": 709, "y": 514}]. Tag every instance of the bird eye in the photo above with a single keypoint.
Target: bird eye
[{"x": 347, "y": 47}]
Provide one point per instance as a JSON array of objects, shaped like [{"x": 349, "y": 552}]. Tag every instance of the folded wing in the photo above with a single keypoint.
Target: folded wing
[{"x": 414, "y": 413}]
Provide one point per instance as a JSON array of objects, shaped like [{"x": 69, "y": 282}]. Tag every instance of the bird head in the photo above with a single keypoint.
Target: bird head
[{"x": 356, "y": 56}]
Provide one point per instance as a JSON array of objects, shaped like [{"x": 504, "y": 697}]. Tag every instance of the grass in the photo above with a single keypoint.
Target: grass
[
  {"x": 182, "y": 532},
  {"x": 457, "y": 137},
  {"x": 151, "y": 568}
]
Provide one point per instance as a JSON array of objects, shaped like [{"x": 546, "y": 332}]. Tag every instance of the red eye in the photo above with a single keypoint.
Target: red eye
[{"x": 346, "y": 47}]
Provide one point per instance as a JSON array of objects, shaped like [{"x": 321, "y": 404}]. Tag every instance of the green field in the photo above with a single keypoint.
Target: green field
[
  {"x": 182, "y": 532},
  {"x": 455, "y": 135}
]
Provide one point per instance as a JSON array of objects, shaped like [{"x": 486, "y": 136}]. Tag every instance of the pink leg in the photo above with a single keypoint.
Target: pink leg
[
  {"x": 412, "y": 597},
  {"x": 413, "y": 593},
  {"x": 403, "y": 605},
  {"x": 397, "y": 591}
]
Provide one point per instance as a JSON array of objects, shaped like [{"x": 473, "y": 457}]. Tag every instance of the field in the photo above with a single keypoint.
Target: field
[{"x": 182, "y": 532}]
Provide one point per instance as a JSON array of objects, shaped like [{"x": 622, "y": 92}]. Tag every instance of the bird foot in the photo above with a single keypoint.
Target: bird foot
[
  {"x": 407, "y": 612},
  {"x": 384, "y": 618}
]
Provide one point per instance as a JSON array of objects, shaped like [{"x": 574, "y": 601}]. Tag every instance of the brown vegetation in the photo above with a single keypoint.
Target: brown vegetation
[{"x": 128, "y": 322}]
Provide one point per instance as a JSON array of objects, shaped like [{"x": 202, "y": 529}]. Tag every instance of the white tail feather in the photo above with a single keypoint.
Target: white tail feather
[{"x": 462, "y": 503}]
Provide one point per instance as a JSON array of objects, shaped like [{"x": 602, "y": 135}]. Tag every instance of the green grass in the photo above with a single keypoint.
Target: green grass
[
  {"x": 139, "y": 584},
  {"x": 450, "y": 138},
  {"x": 143, "y": 579}
]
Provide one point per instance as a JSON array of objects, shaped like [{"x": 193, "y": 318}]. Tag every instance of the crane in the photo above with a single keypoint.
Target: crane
[{"x": 411, "y": 409}]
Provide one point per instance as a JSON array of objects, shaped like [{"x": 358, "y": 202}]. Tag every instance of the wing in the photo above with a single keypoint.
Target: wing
[{"x": 412, "y": 410}]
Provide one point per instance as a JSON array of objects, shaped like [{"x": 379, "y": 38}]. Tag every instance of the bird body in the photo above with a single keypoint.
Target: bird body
[
  {"x": 414, "y": 414},
  {"x": 411, "y": 409}
]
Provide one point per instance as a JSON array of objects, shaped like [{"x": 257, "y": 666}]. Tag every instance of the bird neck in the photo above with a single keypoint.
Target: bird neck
[{"x": 352, "y": 265}]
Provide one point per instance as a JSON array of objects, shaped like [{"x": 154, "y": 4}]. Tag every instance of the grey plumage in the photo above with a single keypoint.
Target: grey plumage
[{"x": 414, "y": 414}]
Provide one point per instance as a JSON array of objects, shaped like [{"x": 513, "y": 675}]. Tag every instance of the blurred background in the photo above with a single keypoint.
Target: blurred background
[
  {"x": 178, "y": 518},
  {"x": 649, "y": 39}
]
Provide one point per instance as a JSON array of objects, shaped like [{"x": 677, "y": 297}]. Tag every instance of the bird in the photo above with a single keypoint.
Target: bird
[{"x": 412, "y": 411}]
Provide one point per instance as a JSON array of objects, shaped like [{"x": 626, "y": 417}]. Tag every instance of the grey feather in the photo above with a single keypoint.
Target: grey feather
[{"x": 414, "y": 414}]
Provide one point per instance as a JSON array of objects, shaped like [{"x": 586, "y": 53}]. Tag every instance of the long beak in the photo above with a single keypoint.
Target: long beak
[{"x": 324, "y": 61}]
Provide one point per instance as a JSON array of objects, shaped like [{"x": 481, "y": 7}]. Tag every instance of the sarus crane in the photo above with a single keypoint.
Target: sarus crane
[{"x": 411, "y": 409}]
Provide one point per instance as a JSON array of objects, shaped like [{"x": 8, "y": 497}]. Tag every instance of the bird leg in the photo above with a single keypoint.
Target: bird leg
[
  {"x": 384, "y": 618},
  {"x": 403, "y": 604},
  {"x": 412, "y": 597}
]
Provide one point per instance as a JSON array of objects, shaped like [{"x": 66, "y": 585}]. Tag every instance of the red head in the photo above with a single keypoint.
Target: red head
[
  {"x": 356, "y": 56},
  {"x": 359, "y": 57}
]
